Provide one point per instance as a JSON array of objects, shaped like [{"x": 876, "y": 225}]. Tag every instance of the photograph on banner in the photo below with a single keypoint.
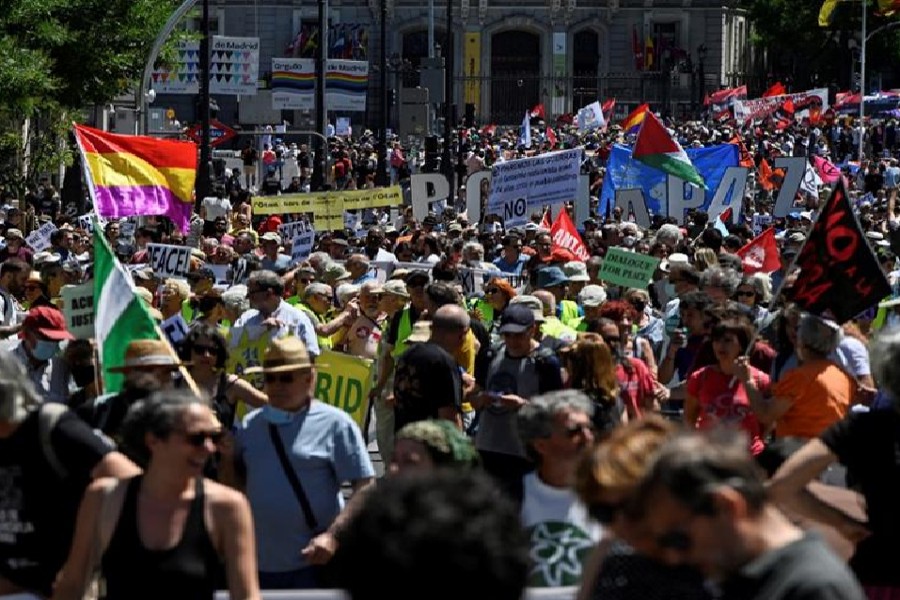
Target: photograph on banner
[
  {"x": 293, "y": 83},
  {"x": 628, "y": 269},
  {"x": 233, "y": 65},
  {"x": 344, "y": 382},
  {"x": 664, "y": 194},
  {"x": 760, "y": 108},
  {"x": 346, "y": 85},
  {"x": 39, "y": 239},
  {"x": 78, "y": 308},
  {"x": 524, "y": 186},
  {"x": 167, "y": 260}
]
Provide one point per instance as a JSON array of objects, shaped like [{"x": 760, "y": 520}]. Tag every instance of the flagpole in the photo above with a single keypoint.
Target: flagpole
[{"x": 862, "y": 85}]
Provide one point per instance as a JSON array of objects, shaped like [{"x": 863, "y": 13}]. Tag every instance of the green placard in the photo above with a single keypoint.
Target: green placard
[{"x": 630, "y": 269}]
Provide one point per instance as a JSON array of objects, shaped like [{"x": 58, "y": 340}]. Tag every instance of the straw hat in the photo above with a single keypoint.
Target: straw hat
[
  {"x": 142, "y": 354},
  {"x": 285, "y": 354}
]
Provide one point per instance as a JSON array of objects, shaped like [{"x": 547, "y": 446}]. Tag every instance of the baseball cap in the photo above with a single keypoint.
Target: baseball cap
[
  {"x": 14, "y": 233},
  {"x": 592, "y": 295},
  {"x": 271, "y": 237},
  {"x": 47, "y": 321},
  {"x": 532, "y": 302},
  {"x": 454, "y": 227},
  {"x": 551, "y": 277},
  {"x": 516, "y": 319}
]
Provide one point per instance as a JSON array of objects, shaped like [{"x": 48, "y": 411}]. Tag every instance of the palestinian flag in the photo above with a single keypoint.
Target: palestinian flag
[
  {"x": 656, "y": 148},
  {"x": 122, "y": 315}
]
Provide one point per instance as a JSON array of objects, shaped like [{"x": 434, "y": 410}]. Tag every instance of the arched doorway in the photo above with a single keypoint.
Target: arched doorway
[
  {"x": 515, "y": 75},
  {"x": 414, "y": 48},
  {"x": 585, "y": 68}
]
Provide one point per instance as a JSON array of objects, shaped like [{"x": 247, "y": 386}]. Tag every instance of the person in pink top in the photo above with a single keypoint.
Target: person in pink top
[{"x": 716, "y": 394}]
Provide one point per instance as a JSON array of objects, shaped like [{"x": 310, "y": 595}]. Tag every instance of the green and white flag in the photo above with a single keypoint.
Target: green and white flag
[{"x": 122, "y": 315}]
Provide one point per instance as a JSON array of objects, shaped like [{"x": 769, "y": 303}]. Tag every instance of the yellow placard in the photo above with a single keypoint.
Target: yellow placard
[
  {"x": 329, "y": 203},
  {"x": 344, "y": 382},
  {"x": 328, "y": 222}
]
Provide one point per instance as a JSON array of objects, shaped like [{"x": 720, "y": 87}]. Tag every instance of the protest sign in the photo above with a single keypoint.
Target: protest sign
[
  {"x": 78, "y": 308},
  {"x": 302, "y": 246},
  {"x": 39, "y": 239},
  {"x": 289, "y": 231},
  {"x": 169, "y": 261},
  {"x": 760, "y": 223},
  {"x": 342, "y": 128},
  {"x": 629, "y": 269},
  {"x": 175, "y": 328},
  {"x": 523, "y": 186},
  {"x": 328, "y": 203},
  {"x": 760, "y": 108},
  {"x": 221, "y": 273},
  {"x": 344, "y": 382}
]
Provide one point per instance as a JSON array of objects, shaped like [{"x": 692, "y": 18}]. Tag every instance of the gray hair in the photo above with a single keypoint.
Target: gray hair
[
  {"x": 17, "y": 393},
  {"x": 345, "y": 292},
  {"x": 268, "y": 280},
  {"x": 160, "y": 414},
  {"x": 317, "y": 287},
  {"x": 884, "y": 353},
  {"x": 473, "y": 248},
  {"x": 819, "y": 335},
  {"x": 536, "y": 417},
  {"x": 235, "y": 299},
  {"x": 669, "y": 235},
  {"x": 319, "y": 261},
  {"x": 726, "y": 278},
  {"x": 762, "y": 285}
]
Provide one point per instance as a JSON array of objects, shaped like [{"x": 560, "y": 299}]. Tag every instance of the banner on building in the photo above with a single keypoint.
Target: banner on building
[
  {"x": 760, "y": 108},
  {"x": 182, "y": 74},
  {"x": 472, "y": 68},
  {"x": 293, "y": 84},
  {"x": 233, "y": 65},
  {"x": 346, "y": 84},
  {"x": 524, "y": 186}
]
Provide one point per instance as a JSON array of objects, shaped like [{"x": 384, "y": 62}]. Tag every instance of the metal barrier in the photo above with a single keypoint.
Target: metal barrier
[{"x": 563, "y": 593}]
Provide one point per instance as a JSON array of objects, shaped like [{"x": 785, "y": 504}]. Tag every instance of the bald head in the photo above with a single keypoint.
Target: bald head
[
  {"x": 450, "y": 317},
  {"x": 548, "y": 301}
]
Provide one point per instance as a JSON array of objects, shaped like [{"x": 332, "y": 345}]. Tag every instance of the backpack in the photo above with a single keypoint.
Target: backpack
[{"x": 49, "y": 415}]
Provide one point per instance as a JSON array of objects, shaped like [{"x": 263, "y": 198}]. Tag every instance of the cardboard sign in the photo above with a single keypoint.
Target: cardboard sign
[
  {"x": 175, "y": 328},
  {"x": 169, "y": 261},
  {"x": 289, "y": 231},
  {"x": 629, "y": 269},
  {"x": 221, "y": 273},
  {"x": 39, "y": 239},
  {"x": 344, "y": 382},
  {"x": 761, "y": 222},
  {"x": 78, "y": 308},
  {"x": 302, "y": 247}
]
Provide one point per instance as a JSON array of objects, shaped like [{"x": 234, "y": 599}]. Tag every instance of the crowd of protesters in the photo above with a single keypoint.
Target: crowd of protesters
[{"x": 685, "y": 439}]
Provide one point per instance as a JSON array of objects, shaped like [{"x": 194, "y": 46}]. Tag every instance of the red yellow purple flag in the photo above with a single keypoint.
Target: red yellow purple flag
[{"x": 138, "y": 175}]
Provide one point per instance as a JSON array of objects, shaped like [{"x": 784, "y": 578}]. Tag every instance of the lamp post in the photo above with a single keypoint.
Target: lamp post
[
  {"x": 446, "y": 160},
  {"x": 383, "y": 178},
  {"x": 701, "y": 73},
  {"x": 202, "y": 185}
]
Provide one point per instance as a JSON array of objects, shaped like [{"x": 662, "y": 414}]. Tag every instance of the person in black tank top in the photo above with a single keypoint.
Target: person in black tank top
[{"x": 164, "y": 534}]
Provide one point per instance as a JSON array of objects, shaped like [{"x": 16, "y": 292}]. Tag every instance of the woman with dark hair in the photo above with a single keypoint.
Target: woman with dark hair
[
  {"x": 36, "y": 292},
  {"x": 625, "y": 314},
  {"x": 591, "y": 368},
  {"x": 715, "y": 396},
  {"x": 169, "y": 531},
  {"x": 210, "y": 309},
  {"x": 205, "y": 351}
]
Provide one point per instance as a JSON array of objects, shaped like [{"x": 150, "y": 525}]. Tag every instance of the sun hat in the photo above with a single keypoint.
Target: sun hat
[
  {"x": 592, "y": 295},
  {"x": 551, "y": 277},
  {"x": 142, "y": 354},
  {"x": 395, "y": 287},
  {"x": 284, "y": 354},
  {"x": 421, "y": 332},
  {"x": 576, "y": 271}
]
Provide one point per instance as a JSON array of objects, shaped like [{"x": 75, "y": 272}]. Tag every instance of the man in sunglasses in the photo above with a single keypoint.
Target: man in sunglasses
[
  {"x": 556, "y": 429},
  {"x": 705, "y": 505}
]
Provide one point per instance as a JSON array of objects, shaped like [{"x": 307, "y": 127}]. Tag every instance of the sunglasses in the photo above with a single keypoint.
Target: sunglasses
[
  {"x": 204, "y": 349},
  {"x": 199, "y": 438},
  {"x": 676, "y": 539},
  {"x": 744, "y": 293},
  {"x": 578, "y": 429},
  {"x": 279, "y": 377},
  {"x": 604, "y": 512}
]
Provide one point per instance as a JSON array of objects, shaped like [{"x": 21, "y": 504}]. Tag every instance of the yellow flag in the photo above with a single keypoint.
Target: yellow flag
[{"x": 826, "y": 12}]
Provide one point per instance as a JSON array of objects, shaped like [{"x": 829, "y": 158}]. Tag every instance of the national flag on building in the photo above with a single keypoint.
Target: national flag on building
[
  {"x": 637, "y": 49},
  {"x": 839, "y": 274},
  {"x": 648, "y": 54},
  {"x": 131, "y": 175},
  {"x": 656, "y": 148},
  {"x": 121, "y": 315},
  {"x": 633, "y": 121},
  {"x": 608, "y": 108},
  {"x": 760, "y": 255}
]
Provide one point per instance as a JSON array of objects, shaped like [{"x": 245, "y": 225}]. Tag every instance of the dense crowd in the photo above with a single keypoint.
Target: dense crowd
[{"x": 538, "y": 424}]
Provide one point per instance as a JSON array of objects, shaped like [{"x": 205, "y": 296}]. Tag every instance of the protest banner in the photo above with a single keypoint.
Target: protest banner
[
  {"x": 167, "y": 260},
  {"x": 221, "y": 273},
  {"x": 78, "y": 308},
  {"x": 760, "y": 108},
  {"x": 344, "y": 382},
  {"x": 629, "y": 269},
  {"x": 760, "y": 223},
  {"x": 175, "y": 329},
  {"x": 342, "y": 127},
  {"x": 328, "y": 203},
  {"x": 302, "y": 246},
  {"x": 524, "y": 186},
  {"x": 39, "y": 239},
  {"x": 289, "y": 231}
]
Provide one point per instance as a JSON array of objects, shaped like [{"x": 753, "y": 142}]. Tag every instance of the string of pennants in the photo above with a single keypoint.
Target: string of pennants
[{"x": 233, "y": 69}]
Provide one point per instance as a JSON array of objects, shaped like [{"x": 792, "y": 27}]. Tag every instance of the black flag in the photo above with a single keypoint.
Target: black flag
[{"x": 839, "y": 273}]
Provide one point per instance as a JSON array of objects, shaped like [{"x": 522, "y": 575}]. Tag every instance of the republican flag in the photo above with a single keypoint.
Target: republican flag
[
  {"x": 826, "y": 170},
  {"x": 537, "y": 111},
  {"x": 839, "y": 274},
  {"x": 566, "y": 241},
  {"x": 591, "y": 117},
  {"x": 608, "y": 108},
  {"x": 551, "y": 137},
  {"x": 525, "y": 131},
  {"x": 776, "y": 90},
  {"x": 760, "y": 255},
  {"x": 633, "y": 121},
  {"x": 137, "y": 175},
  {"x": 648, "y": 54},
  {"x": 656, "y": 148}
]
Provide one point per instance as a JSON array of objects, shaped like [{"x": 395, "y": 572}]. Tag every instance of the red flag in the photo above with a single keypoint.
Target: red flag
[
  {"x": 745, "y": 159},
  {"x": 768, "y": 178},
  {"x": 488, "y": 130},
  {"x": 725, "y": 215},
  {"x": 546, "y": 225},
  {"x": 537, "y": 111},
  {"x": 775, "y": 90},
  {"x": 607, "y": 109},
  {"x": 760, "y": 255},
  {"x": 551, "y": 137},
  {"x": 565, "y": 237},
  {"x": 839, "y": 274}
]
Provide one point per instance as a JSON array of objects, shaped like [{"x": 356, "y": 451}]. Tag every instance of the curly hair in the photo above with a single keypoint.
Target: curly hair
[{"x": 617, "y": 310}]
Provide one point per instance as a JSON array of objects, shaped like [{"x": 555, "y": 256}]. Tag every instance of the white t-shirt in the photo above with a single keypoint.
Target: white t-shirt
[
  {"x": 561, "y": 534},
  {"x": 216, "y": 207}
]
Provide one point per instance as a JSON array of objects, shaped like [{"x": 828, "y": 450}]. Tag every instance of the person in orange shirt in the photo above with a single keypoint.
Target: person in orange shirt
[{"x": 812, "y": 397}]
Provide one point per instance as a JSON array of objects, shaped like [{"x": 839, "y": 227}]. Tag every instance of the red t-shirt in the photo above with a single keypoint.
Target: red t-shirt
[
  {"x": 634, "y": 387},
  {"x": 723, "y": 401}
]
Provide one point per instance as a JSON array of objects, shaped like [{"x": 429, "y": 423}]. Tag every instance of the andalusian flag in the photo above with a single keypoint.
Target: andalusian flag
[
  {"x": 656, "y": 148},
  {"x": 139, "y": 175},
  {"x": 122, "y": 315}
]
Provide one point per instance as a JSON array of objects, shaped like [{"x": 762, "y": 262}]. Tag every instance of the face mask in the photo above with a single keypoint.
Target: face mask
[
  {"x": 82, "y": 374},
  {"x": 669, "y": 288},
  {"x": 276, "y": 416},
  {"x": 44, "y": 350}
]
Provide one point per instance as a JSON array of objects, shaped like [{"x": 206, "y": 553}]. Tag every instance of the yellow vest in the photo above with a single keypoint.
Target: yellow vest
[
  {"x": 324, "y": 341},
  {"x": 568, "y": 312},
  {"x": 555, "y": 328},
  {"x": 403, "y": 332}
]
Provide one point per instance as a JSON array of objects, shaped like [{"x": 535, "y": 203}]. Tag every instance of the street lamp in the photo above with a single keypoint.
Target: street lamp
[{"x": 701, "y": 72}]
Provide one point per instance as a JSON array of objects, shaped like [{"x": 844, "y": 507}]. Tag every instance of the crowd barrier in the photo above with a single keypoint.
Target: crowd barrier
[{"x": 563, "y": 593}]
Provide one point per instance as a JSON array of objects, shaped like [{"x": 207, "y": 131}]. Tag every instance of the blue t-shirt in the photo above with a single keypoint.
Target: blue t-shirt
[
  {"x": 515, "y": 268},
  {"x": 326, "y": 449}
]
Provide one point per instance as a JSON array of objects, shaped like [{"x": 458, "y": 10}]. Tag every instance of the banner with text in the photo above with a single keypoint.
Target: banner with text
[
  {"x": 344, "y": 382},
  {"x": 524, "y": 186},
  {"x": 167, "y": 260},
  {"x": 629, "y": 269},
  {"x": 346, "y": 84},
  {"x": 293, "y": 83},
  {"x": 328, "y": 203},
  {"x": 760, "y": 108},
  {"x": 78, "y": 308},
  {"x": 233, "y": 65}
]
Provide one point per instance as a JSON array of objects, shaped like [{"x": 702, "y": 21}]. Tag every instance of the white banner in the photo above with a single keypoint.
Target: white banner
[
  {"x": 234, "y": 65},
  {"x": 524, "y": 186},
  {"x": 760, "y": 108},
  {"x": 293, "y": 83},
  {"x": 78, "y": 308},
  {"x": 169, "y": 261},
  {"x": 39, "y": 239},
  {"x": 181, "y": 74},
  {"x": 346, "y": 84}
]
